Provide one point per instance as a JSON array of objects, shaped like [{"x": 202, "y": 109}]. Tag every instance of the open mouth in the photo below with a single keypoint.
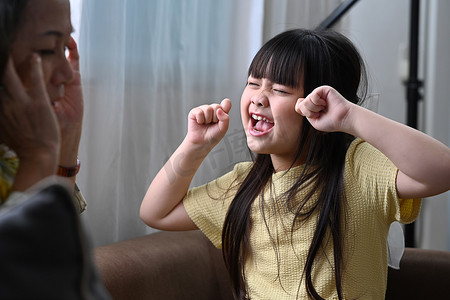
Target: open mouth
[{"x": 260, "y": 125}]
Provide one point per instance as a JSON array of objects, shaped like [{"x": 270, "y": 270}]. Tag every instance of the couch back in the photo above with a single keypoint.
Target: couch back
[
  {"x": 164, "y": 265},
  {"x": 185, "y": 265}
]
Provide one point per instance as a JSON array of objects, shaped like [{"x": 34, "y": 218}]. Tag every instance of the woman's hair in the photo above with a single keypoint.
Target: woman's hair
[
  {"x": 308, "y": 59},
  {"x": 11, "y": 12}
]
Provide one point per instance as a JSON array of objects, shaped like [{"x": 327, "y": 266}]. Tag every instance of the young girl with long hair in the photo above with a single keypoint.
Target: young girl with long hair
[{"x": 309, "y": 216}]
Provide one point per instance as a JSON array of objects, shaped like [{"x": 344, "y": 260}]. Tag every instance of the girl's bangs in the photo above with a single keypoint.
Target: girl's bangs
[{"x": 280, "y": 62}]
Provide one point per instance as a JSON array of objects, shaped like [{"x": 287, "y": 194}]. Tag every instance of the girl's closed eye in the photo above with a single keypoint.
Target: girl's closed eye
[{"x": 281, "y": 91}]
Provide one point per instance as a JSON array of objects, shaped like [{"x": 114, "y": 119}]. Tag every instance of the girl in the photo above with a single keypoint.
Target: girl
[{"x": 309, "y": 217}]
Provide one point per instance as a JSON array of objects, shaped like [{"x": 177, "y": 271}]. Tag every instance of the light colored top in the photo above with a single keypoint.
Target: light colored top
[
  {"x": 371, "y": 206},
  {"x": 9, "y": 163}
]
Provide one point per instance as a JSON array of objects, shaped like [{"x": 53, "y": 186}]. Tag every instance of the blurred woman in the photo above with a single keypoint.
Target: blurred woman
[{"x": 41, "y": 102}]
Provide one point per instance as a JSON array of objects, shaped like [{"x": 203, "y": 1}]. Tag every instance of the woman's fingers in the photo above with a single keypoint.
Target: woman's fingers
[
  {"x": 28, "y": 121},
  {"x": 12, "y": 83},
  {"x": 74, "y": 57},
  {"x": 37, "y": 89}
]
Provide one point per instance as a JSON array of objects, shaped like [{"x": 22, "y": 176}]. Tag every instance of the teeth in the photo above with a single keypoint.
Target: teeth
[{"x": 259, "y": 118}]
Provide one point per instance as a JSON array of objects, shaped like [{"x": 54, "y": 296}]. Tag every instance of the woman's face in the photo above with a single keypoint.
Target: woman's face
[{"x": 45, "y": 29}]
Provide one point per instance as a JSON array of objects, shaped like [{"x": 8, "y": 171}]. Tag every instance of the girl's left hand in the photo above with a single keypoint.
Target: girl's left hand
[
  {"x": 69, "y": 111},
  {"x": 325, "y": 109}
]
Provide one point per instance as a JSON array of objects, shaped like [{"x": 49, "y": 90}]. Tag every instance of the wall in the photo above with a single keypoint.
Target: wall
[{"x": 380, "y": 30}]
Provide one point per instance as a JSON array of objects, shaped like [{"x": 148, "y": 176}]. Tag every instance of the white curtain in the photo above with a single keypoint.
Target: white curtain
[{"x": 145, "y": 64}]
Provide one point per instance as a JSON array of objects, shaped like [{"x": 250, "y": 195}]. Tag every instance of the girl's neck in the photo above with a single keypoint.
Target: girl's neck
[{"x": 282, "y": 164}]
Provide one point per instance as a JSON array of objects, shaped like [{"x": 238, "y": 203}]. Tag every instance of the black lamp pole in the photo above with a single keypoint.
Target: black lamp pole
[
  {"x": 412, "y": 91},
  {"x": 336, "y": 15}
]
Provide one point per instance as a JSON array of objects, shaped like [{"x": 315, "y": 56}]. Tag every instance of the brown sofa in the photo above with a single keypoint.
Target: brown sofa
[
  {"x": 185, "y": 265},
  {"x": 164, "y": 265}
]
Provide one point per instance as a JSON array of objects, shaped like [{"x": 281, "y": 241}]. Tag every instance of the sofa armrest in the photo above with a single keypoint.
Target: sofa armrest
[
  {"x": 423, "y": 274},
  {"x": 164, "y": 265}
]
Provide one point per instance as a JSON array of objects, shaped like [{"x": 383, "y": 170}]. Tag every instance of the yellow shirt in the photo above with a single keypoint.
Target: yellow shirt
[{"x": 371, "y": 206}]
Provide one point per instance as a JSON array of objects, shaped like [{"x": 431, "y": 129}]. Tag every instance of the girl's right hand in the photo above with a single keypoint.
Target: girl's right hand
[
  {"x": 28, "y": 123},
  {"x": 208, "y": 124}
]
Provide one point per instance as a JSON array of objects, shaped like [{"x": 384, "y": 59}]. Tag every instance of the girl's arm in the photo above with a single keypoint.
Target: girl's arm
[
  {"x": 162, "y": 206},
  {"x": 423, "y": 162}
]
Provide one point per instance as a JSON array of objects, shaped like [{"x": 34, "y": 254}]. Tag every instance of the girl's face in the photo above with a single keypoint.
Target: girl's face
[
  {"x": 45, "y": 29},
  {"x": 271, "y": 124}
]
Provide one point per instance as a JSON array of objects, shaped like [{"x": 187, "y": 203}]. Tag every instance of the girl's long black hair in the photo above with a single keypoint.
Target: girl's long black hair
[{"x": 295, "y": 58}]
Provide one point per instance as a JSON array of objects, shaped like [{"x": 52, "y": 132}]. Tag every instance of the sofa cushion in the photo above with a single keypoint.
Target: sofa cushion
[{"x": 164, "y": 265}]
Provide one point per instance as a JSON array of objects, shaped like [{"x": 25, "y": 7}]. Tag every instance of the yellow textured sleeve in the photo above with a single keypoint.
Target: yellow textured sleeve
[{"x": 376, "y": 177}]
